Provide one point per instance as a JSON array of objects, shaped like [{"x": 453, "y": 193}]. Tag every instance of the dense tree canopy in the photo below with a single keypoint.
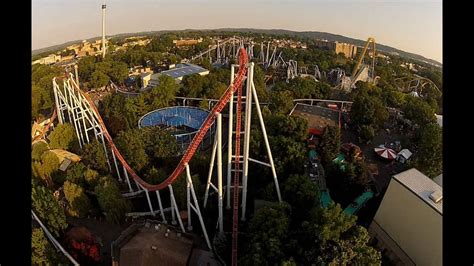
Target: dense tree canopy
[
  {"x": 429, "y": 156},
  {"x": 79, "y": 203},
  {"x": 93, "y": 155},
  {"x": 48, "y": 209},
  {"x": 63, "y": 137},
  {"x": 330, "y": 144},
  {"x": 111, "y": 201}
]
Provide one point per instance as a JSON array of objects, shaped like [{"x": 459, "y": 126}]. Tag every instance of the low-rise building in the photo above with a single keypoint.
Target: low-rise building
[
  {"x": 186, "y": 42},
  {"x": 318, "y": 117},
  {"x": 409, "y": 222},
  {"x": 349, "y": 50},
  {"x": 177, "y": 72},
  {"x": 153, "y": 243}
]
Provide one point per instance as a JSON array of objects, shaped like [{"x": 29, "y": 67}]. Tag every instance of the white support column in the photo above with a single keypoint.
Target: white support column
[
  {"x": 219, "y": 172},
  {"x": 265, "y": 137},
  {"x": 128, "y": 180},
  {"x": 188, "y": 202},
  {"x": 107, "y": 156},
  {"x": 211, "y": 167},
  {"x": 116, "y": 167},
  {"x": 248, "y": 118},
  {"x": 149, "y": 201},
  {"x": 229, "y": 140},
  {"x": 175, "y": 207},
  {"x": 173, "y": 213},
  {"x": 196, "y": 206},
  {"x": 161, "y": 207}
]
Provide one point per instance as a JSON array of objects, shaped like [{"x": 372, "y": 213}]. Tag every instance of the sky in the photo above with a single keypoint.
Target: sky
[{"x": 412, "y": 26}]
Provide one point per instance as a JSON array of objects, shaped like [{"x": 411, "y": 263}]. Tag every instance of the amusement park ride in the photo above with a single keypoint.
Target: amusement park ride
[{"x": 77, "y": 108}]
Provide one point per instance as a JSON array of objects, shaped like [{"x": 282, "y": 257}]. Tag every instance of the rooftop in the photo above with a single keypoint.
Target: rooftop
[
  {"x": 318, "y": 117},
  {"x": 184, "y": 69},
  {"x": 422, "y": 186}
]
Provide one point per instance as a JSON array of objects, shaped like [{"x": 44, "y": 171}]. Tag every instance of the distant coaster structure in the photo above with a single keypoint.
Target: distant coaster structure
[{"x": 76, "y": 107}]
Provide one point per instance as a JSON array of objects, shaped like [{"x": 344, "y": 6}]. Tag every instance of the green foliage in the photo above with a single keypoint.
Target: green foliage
[
  {"x": 305, "y": 88},
  {"x": 93, "y": 155},
  {"x": 48, "y": 209},
  {"x": 268, "y": 230},
  {"x": 367, "y": 133},
  {"x": 351, "y": 249},
  {"x": 91, "y": 177},
  {"x": 301, "y": 193},
  {"x": 38, "y": 149},
  {"x": 98, "y": 79},
  {"x": 42, "y": 252},
  {"x": 79, "y": 203},
  {"x": 429, "y": 156},
  {"x": 164, "y": 93},
  {"x": 50, "y": 164},
  {"x": 330, "y": 144},
  {"x": 418, "y": 111},
  {"x": 143, "y": 146},
  {"x": 287, "y": 126},
  {"x": 282, "y": 102},
  {"x": 111, "y": 201},
  {"x": 63, "y": 137},
  {"x": 42, "y": 98},
  {"x": 75, "y": 173}
]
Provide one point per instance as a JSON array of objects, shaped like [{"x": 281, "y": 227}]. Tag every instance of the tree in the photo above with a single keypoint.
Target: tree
[
  {"x": 48, "y": 168},
  {"x": 38, "y": 149},
  {"x": 268, "y": 230},
  {"x": 288, "y": 126},
  {"x": 79, "y": 203},
  {"x": 282, "y": 102},
  {"x": 99, "y": 79},
  {"x": 111, "y": 201},
  {"x": 48, "y": 209},
  {"x": 93, "y": 155},
  {"x": 330, "y": 144},
  {"x": 75, "y": 173},
  {"x": 352, "y": 249},
  {"x": 164, "y": 93},
  {"x": 418, "y": 111},
  {"x": 91, "y": 177},
  {"x": 42, "y": 253},
  {"x": 429, "y": 156},
  {"x": 63, "y": 137},
  {"x": 132, "y": 146},
  {"x": 192, "y": 86},
  {"x": 118, "y": 72},
  {"x": 301, "y": 193},
  {"x": 367, "y": 133}
]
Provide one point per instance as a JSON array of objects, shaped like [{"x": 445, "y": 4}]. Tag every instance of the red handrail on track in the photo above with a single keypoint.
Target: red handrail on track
[{"x": 243, "y": 60}]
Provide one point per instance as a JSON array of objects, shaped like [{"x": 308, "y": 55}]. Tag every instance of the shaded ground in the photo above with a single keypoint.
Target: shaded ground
[
  {"x": 105, "y": 231},
  {"x": 386, "y": 168}
]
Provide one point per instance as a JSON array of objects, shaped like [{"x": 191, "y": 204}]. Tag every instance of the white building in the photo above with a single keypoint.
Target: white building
[{"x": 409, "y": 221}]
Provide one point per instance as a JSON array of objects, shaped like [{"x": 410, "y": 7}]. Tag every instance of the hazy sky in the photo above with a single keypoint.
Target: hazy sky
[{"x": 413, "y": 26}]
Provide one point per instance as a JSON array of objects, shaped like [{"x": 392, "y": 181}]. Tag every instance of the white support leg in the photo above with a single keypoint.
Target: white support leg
[
  {"x": 248, "y": 118},
  {"x": 128, "y": 180},
  {"x": 265, "y": 137},
  {"x": 211, "y": 167},
  {"x": 219, "y": 172},
  {"x": 173, "y": 213},
  {"x": 175, "y": 207},
  {"x": 116, "y": 167},
  {"x": 196, "y": 207},
  {"x": 106, "y": 154},
  {"x": 188, "y": 204},
  {"x": 149, "y": 201},
  {"x": 161, "y": 207},
  {"x": 229, "y": 140}
]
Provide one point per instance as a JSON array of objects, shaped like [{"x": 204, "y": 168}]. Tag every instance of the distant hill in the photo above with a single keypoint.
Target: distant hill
[{"x": 308, "y": 34}]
